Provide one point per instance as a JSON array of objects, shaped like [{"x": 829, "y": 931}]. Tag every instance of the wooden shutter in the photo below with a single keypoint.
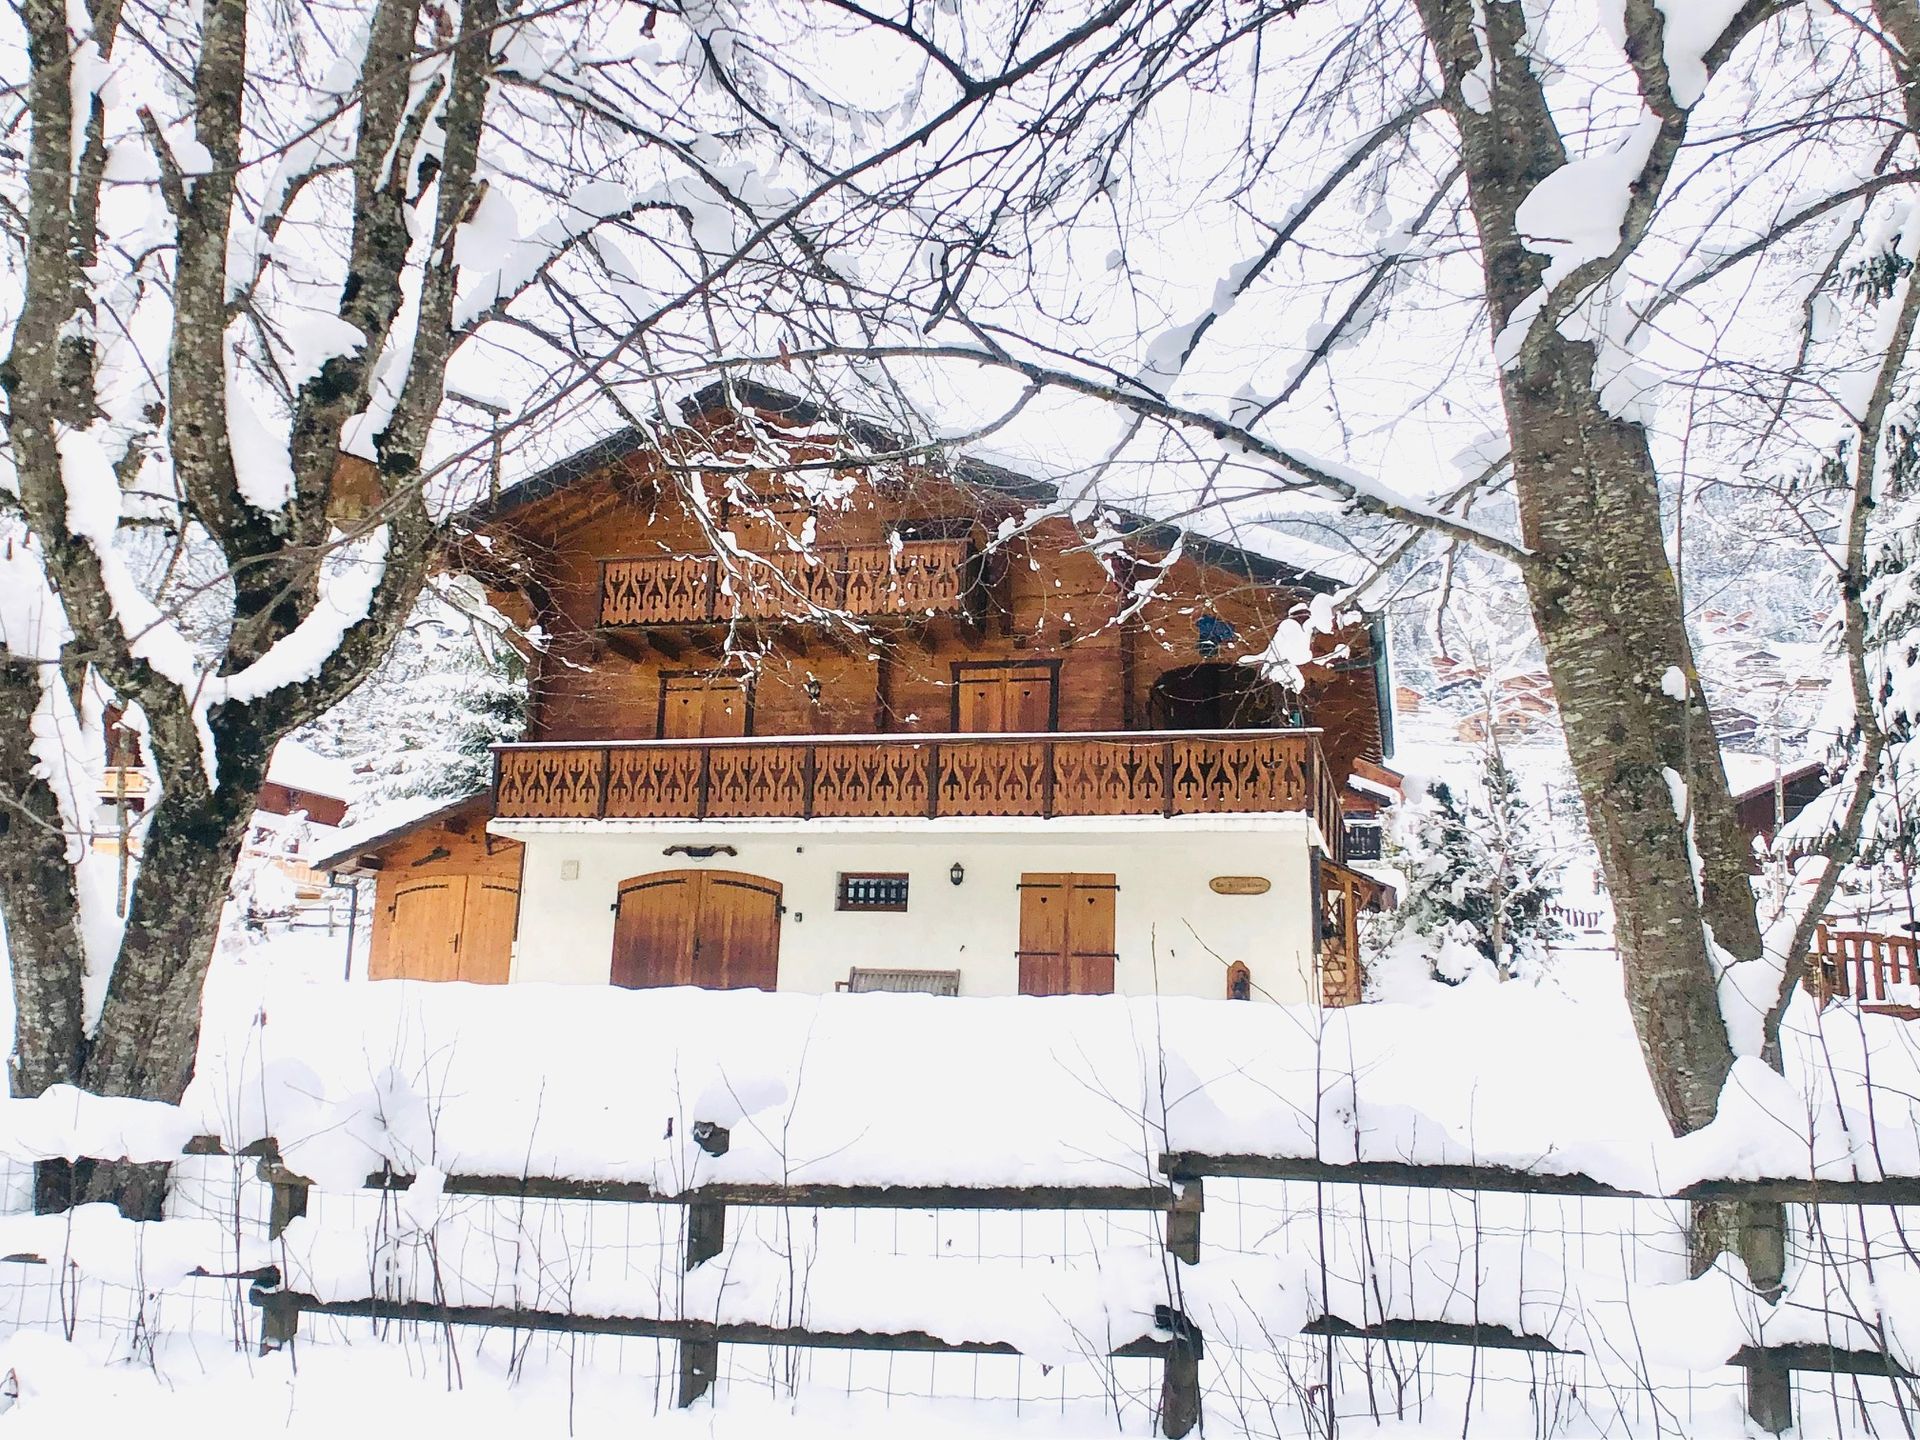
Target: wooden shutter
[
  {"x": 694, "y": 707},
  {"x": 1004, "y": 699},
  {"x": 423, "y": 941},
  {"x": 1029, "y": 701},
  {"x": 486, "y": 934},
  {"x": 982, "y": 696},
  {"x": 1067, "y": 934},
  {"x": 737, "y": 935},
  {"x": 653, "y": 930}
]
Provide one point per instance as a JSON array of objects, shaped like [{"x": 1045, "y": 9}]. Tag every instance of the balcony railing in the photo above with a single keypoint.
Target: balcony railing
[
  {"x": 924, "y": 776},
  {"x": 920, "y": 577},
  {"x": 1882, "y": 972}
]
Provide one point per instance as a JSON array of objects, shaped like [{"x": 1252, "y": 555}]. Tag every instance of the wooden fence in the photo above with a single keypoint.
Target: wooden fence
[
  {"x": 1175, "y": 1340},
  {"x": 1882, "y": 972},
  {"x": 1172, "y": 1338}
]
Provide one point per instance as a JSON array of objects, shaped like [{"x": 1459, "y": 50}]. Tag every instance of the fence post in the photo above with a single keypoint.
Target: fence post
[
  {"x": 1180, "y": 1381},
  {"x": 1183, "y": 1220},
  {"x": 1769, "y": 1394},
  {"x": 700, "y": 1359},
  {"x": 706, "y": 1231},
  {"x": 280, "y": 1321}
]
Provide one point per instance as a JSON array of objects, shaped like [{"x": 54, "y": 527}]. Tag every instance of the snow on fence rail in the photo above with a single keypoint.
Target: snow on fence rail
[{"x": 703, "y": 1321}]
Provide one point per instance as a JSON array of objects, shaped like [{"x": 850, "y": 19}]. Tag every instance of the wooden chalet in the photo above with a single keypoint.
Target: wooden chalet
[{"x": 816, "y": 725}]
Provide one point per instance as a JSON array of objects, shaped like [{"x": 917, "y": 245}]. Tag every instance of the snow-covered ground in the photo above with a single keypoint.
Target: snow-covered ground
[{"x": 906, "y": 1089}]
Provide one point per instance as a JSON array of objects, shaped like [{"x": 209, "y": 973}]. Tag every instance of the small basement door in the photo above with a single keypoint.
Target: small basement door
[
  {"x": 449, "y": 927},
  {"x": 714, "y": 928},
  {"x": 1066, "y": 934}
]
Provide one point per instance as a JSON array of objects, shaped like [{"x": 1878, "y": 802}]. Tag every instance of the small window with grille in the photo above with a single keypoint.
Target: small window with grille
[{"x": 872, "y": 892}]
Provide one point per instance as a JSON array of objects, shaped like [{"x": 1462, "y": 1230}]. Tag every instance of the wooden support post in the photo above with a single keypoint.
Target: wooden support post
[
  {"x": 1770, "y": 1394},
  {"x": 706, "y": 1238},
  {"x": 279, "y": 1319},
  {"x": 1183, "y": 1221},
  {"x": 699, "y": 1363},
  {"x": 706, "y": 1231},
  {"x": 279, "y": 1322},
  {"x": 289, "y": 1197},
  {"x": 1180, "y": 1388}
]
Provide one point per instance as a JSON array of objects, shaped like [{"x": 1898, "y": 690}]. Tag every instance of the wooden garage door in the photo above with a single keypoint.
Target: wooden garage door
[
  {"x": 1004, "y": 699},
  {"x": 486, "y": 933},
  {"x": 714, "y": 928},
  {"x": 1066, "y": 934},
  {"x": 423, "y": 932},
  {"x": 451, "y": 927},
  {"x": 694, "y": 707}
]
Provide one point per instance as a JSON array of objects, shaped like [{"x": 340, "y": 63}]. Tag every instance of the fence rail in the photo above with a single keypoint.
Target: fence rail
[{"x": 1173, "y": 1339}]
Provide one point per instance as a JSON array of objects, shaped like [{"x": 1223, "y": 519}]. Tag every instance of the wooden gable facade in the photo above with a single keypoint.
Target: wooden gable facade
[{"x": 724, "y": 601}]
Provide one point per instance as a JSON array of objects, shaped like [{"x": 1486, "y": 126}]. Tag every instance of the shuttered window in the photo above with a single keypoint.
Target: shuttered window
[
  {"x": 1019, "y": 698},
  {"x": 872, "y": 891},
  {"x": 697, "y": 707},
  {"x": 1067, "y": 934}
]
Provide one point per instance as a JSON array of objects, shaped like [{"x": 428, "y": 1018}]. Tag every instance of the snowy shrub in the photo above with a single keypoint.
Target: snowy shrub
[{"x": 1479, "y": 879}]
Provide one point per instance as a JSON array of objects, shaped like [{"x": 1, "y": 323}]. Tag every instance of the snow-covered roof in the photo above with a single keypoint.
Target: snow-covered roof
[
  {"x": 1309, "y": 566},
  {"x": 300, "y": 767},
  {"x": 1748, "y": 773},
  {"x": 380, "y": 823}
]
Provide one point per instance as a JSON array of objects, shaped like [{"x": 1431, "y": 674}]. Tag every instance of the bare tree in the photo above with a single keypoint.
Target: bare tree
[{"x": 256, "y": 246}]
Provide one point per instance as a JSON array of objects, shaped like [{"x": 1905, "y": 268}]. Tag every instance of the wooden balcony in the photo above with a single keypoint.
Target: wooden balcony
[
  {"x": 919, "y": 578},
  {"x": 924, "y": 777}
]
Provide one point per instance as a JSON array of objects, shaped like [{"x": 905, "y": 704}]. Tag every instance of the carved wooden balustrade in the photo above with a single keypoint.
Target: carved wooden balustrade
[
  {"x": 925, "y": 776},
  {"x": 918, "y": 577}
]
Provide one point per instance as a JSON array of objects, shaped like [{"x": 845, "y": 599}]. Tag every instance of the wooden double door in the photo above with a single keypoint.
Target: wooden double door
[
  {"x": 718, "y": 929},
  {"x": 449, "y": 927},
  {"x": 1066, "y": 934}
]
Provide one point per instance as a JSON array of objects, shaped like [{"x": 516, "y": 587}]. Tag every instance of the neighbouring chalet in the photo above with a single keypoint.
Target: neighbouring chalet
[{"x": 813, "y": 727}]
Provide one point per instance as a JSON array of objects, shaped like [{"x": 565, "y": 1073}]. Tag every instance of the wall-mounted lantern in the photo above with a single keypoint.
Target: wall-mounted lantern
[{"x": 957, "y": 873}]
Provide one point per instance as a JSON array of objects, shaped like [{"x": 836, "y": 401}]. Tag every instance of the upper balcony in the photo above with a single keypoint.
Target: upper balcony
[
  {"x": 914, "y": 578},
  {"x": 925, "y": 777}
]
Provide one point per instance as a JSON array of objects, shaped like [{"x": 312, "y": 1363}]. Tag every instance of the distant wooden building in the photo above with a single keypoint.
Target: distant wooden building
[
  {"x": 1758, "y": 804},
  {"x": 810, "y": 725}
]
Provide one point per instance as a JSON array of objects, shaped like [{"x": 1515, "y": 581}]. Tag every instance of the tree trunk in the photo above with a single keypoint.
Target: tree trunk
[
  {"x": 1611, "y": 623},
  {"x": 42, "y": 918}
]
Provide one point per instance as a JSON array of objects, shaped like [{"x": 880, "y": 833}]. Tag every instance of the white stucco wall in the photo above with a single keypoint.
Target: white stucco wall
[{"x": 1174, "y": 934}]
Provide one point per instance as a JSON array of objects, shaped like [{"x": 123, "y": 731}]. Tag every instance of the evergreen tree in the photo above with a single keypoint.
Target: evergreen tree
[
  {"x": 1892, "y": 601},
  {"x": 1479, "y": 880},
  {"x": 422, "y": 724}
]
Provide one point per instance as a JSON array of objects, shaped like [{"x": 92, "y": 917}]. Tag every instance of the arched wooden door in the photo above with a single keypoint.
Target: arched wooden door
[
  {"x": 425, "y": 931},
  {"x": 486, "y": 934},
  {"x": 449, "y": 927},
  {"x": 718, "y": 929}
]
